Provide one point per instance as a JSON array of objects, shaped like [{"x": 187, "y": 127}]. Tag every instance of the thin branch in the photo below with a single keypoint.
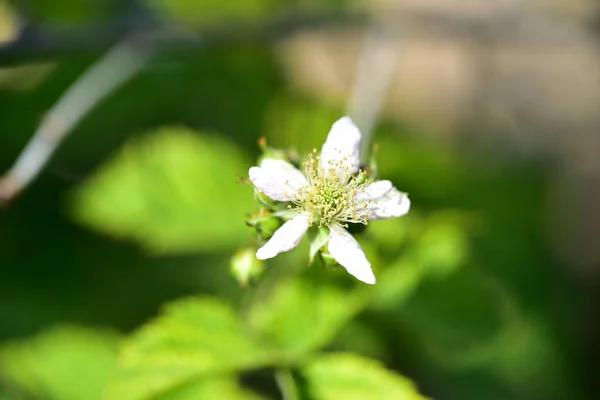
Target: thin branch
[
  {"x": 110, "y": 72},
  {"x": 119, "y": 65}
]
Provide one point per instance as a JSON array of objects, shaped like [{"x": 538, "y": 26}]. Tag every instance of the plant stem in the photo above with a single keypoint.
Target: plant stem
[{"x": 287, "y": 384}]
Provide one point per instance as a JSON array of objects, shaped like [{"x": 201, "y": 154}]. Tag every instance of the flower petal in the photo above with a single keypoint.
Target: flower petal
[
  {"x": 277, "y": 179},
  {"x": 393, "y": 204},
  {"x": 285, "y": 238},
  {"x": 346, "y": 251},
  {"x": 375, "y": 190},
  {"x": 341, "y": 150}
]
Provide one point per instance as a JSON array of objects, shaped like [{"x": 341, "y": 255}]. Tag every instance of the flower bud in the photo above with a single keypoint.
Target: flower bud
[
  {"x": 264, "y": 223},
  {"x": 245, "y": 265}
]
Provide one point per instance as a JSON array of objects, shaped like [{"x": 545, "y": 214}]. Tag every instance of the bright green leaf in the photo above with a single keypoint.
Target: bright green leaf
[
  {"x": 300, "y": 316},
  {"x": 192, "y": 339},
  {"x": 174, "y": 191},
  {"x": 210, "y": 389},
  {"x": 351, "y": 377},
  {"x": 65, "y": 363}
]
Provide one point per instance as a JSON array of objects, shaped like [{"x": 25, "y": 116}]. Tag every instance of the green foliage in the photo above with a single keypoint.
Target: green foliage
[
  {"x": 434, "y": 248},
  {"x": 351, "y": 377},
  {"x": 300, "y": 316},
  {"x": 195, "y": 13},
  {"x": 490, "y": 313},
  {"x": 443, "y": 246},
  {"x": 65, "y": 363},
  {"x": 8, "y": 22},
  {"x": 193, "y": 339},
  {"x": 173, "y": 191},
  {"x": 69, "y": 13},
  {"x": 210, "y": 389}
]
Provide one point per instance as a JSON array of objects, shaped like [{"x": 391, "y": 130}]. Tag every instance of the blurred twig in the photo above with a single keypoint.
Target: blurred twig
[
  {"x": 120, "y": 64},
  {"x": 375, "y": 70}
]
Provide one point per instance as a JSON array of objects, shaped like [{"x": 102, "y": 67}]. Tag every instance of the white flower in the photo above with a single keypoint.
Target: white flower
[{"x": 333, "y": 193}]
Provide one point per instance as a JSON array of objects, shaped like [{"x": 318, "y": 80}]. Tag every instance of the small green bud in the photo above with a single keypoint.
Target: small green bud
[
  {"x": 264, "y": 223},
  {"x": 245, "y": 265}
]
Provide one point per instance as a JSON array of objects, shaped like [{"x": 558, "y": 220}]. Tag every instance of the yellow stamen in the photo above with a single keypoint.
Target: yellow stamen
[{"x": 331, "y": 194}]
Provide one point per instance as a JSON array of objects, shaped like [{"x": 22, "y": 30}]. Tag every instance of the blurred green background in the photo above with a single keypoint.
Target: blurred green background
[{"x": 140, "y": 211}]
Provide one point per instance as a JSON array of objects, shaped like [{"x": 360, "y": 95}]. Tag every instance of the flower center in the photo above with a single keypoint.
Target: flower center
[{"x": 332, "y": 194}]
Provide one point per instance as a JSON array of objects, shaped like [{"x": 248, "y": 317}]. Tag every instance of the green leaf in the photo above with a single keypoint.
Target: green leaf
[
  {"x": 210, "y": 389},
  {"x": 301, "y": 316},
  {"x": 192, "y": 339},
  {"x": 173, "y": 192},
  {"x": 351, "y": 377},
  {"x": 66, "y": 363}
]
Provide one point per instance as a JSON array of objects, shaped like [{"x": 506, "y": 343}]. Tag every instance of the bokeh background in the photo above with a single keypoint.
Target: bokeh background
[{"x": 485, "y": 112}]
